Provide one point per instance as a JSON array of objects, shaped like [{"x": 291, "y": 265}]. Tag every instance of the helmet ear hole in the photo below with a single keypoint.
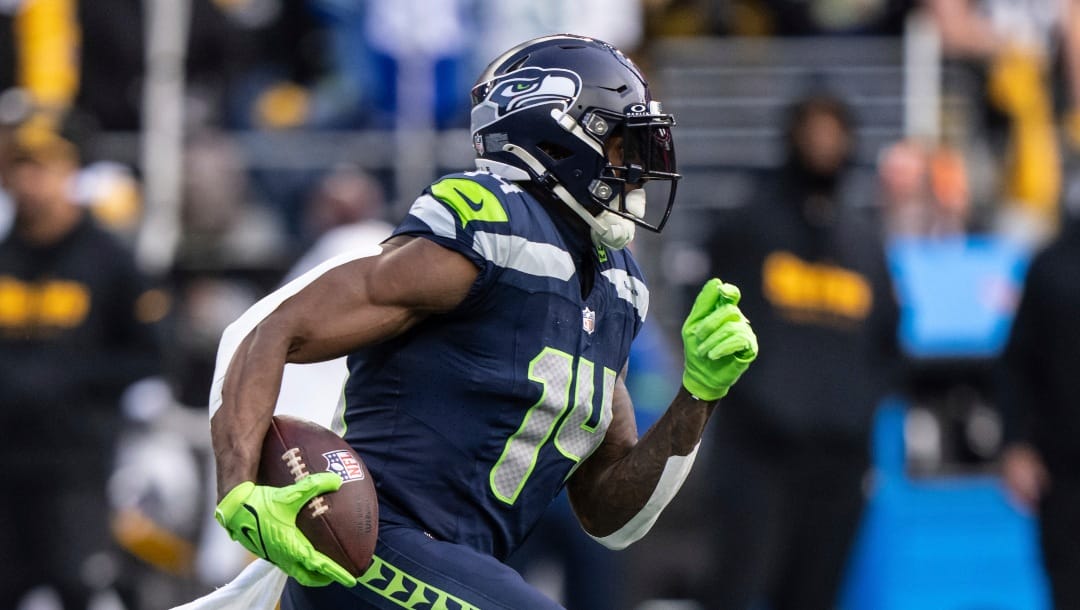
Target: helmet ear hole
[{"x": 555, "y": 151}]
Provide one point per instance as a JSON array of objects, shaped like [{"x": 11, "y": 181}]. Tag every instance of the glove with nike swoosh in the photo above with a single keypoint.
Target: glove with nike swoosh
[
  {"x": 263, "y": 520},
  {"x": 718, "y": 342}
]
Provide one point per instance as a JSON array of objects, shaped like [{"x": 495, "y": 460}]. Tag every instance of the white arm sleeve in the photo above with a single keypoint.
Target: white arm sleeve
[
  {"x": 671, "y": 479},
  {"x": 242, "y": 326}
]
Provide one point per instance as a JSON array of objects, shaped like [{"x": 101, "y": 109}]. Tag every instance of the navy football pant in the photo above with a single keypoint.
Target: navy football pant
[{"x": 412, "y": 571}]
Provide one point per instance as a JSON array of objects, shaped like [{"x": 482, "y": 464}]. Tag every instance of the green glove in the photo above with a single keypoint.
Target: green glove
[
  {"x": 263, "y": 519},
  {"x": 718, "y": 342}
]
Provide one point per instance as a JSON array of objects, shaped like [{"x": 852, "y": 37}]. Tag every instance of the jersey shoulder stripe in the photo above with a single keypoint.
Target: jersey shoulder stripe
[
  {"x": 492, "y": 222},
  {"x": 470, "y": 200}
]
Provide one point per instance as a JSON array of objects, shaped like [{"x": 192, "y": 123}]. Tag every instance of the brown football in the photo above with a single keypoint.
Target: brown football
[{"x": 342, "y": 524}]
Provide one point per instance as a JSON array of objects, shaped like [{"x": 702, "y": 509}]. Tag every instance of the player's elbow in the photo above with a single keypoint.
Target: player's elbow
[
  {"x": 628, "y": 534},
  {"x": 613, "y": 535}
]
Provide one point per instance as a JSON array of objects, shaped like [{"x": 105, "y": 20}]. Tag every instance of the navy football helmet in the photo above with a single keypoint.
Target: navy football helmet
[{"x": 575, "y": 115}]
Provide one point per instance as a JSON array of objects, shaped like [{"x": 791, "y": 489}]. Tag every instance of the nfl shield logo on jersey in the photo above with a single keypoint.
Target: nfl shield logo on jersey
[
  {"x": 343, "y": 464},
  {"x": 588, "y": 320}
]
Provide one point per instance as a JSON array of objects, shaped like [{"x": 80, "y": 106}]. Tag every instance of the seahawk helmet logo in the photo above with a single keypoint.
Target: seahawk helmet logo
[{"x": 525, "y": 88}]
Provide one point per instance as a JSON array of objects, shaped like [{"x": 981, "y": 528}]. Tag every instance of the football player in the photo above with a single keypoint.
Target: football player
[{"x": 487, "y": 343}]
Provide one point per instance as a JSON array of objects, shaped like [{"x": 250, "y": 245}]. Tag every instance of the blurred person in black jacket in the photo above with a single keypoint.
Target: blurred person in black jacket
[
  {"x": 791, "y": 449},
  {"x": 76, "y": 329},
  {"x": 1039, "y": 397}
]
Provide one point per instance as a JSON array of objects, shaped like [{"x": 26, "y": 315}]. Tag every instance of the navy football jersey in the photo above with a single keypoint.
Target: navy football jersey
[{"x": 472, "y": 421}]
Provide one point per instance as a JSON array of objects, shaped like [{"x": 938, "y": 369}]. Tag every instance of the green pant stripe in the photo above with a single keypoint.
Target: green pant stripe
[{"x": 408, "y": 591}]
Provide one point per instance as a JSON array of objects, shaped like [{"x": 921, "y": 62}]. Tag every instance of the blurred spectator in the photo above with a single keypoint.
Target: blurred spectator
[
  {"x": 113, "y": 58},
  {"x": 298, "y": 65},
  {"x": 112, "y": 192},
  {"x": 39, "y": 44},
  {"x": 223, "y": 226},
  {"x": 7, "y": 209},
  {"x": 924, "y": 191},
  {"x": 1041, "y": 460},
  {"x": 1017, "y": 43},
  {"x": 111, "y": 63},
  {"x": 421, "y": 50},
  {"x": 233, "y": 250},
  {"x": 791, "y": 446},
  {"x": 40, "y": 55},
  {"x": 345, "y": 215},
  {"x": 345, "y": 209},
  {"x": 342, "y": 65},
  {"x": 674, "y": 18},
  {"x": 288, "y": 67},
  {"x": 77, "y": 327},
  {"x": 809, "y": 17},
  {"x": 504, "y": 23}
]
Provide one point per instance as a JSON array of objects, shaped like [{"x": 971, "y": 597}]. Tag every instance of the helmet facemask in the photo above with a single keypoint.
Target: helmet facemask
[{"x": 639, "y": 166}]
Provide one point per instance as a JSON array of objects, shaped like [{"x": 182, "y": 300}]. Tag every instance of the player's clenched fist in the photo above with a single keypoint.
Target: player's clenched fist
[{"x": 718, "y": 341}]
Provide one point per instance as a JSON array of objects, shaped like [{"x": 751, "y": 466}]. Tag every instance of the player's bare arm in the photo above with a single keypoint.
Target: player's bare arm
[
  {"x": 358, "y": 303},
  {"x": 616, "y": 481}
]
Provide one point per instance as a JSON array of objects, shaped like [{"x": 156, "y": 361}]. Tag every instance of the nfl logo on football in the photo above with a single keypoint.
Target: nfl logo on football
[
  {"x": 343, "y": 464},
  {"x": 588, "y": 320}
]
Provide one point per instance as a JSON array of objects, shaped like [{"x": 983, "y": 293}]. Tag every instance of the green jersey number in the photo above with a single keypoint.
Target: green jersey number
[{"x": 575, "y": 438}]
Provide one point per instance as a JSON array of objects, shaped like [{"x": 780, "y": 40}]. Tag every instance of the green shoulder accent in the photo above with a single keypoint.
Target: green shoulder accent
[{"x": 470, "y": 200}]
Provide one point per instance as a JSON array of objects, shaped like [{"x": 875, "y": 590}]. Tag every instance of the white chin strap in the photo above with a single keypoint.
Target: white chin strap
[
  {"x": 615, "y": 231},
  {"x": 607, "y": 229}
]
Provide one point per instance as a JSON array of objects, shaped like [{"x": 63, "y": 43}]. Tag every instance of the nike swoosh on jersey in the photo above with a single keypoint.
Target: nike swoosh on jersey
[
  {"x": 475, "y": 205},
  {"x": 469, "y": 200}
]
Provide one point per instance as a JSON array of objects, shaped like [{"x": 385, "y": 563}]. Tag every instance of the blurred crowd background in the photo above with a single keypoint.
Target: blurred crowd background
[{"x": 230, "y": 144}]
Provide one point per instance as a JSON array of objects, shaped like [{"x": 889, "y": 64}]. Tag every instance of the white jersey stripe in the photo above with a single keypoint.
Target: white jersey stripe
[
  {"x": 517, "y": 253},
  {"x": 435, "y": 215},
  {"x": 506, "y": 251},
  {"x": 630, "y": 289}
]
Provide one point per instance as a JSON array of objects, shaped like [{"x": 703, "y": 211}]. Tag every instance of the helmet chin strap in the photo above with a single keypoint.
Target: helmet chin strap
[
  {"x": 606, "y": 228},
  {"x": 617, "y": 231}
]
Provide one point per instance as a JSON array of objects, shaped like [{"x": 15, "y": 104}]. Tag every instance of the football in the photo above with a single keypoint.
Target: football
[{"x": 343, "y": 524}]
